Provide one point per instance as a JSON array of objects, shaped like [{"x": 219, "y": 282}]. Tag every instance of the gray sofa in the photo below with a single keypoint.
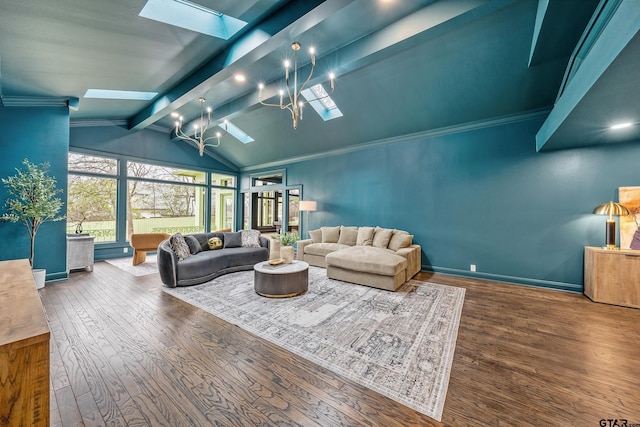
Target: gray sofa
[{"x": 204, "y": 264}]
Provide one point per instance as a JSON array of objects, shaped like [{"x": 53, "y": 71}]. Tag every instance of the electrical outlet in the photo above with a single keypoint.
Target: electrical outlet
[
  {"x": 125, "y": 250},
  {"x": 472, "y": 267}
]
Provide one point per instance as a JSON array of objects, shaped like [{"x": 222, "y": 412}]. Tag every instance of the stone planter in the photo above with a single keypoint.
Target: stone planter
[
  {"x": 39, "y": 276},
  {"x": 286, "y": 253}
]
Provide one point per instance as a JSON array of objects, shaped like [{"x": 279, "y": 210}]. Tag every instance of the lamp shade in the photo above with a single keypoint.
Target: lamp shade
[
  {"x": 611, "y": 209},
  {"x": 307, "y": 205}
]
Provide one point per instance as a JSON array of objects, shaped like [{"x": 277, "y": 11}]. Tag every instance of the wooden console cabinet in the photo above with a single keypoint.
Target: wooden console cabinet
[
  {"x": 612, "y": 277},
  {"x": 24, "y": 348}
]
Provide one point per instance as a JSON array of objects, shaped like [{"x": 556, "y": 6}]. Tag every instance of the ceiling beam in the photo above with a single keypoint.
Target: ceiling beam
[
  {"x": 612, "y": 33},
  {"x": 284, "y": 25},
  {"x": 425, "y": 24}
]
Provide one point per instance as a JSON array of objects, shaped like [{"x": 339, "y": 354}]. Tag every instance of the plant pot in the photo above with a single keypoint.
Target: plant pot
[
  {"x": 39, "y": 276},
  {"x": 286, "y": 253}
]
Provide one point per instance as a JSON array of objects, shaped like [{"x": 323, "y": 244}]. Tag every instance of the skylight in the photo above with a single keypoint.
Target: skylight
[
  {"x": 192, "y": 16},
  {"x": 119, "y": 94},
  {"x": 322, "y": 103},
  {"x": 236, "y": 132},
  {"x": 325, "y": 99}
]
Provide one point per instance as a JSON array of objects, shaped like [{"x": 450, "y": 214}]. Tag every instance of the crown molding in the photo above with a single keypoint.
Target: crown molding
[
  {"x": 432, "y": 133},
  {"x": 82, "y": 123},
  {"x": 39, "y": 101}
]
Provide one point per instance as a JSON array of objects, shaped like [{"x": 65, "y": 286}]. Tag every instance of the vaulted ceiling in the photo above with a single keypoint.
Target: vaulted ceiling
[{"x": 402, "y": 67}]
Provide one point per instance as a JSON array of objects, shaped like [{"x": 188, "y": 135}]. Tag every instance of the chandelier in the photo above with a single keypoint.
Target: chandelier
[
  {"x": 199, "y": 129},
  {"x": 295, "y": 104}
]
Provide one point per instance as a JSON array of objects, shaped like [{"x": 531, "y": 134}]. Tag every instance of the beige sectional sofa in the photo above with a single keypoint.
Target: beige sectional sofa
[{"x": 378, "y": 257}]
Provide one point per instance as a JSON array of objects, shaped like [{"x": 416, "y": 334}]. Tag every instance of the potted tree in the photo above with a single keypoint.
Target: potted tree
[{"x": 32, "y": 201}]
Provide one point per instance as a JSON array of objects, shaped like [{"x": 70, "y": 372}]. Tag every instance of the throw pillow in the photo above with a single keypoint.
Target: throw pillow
[
  {"x": 250, "y": 238},
  {"x": 348, "y": 235},
  {"x": 194, "y": 245},
  {"x": 214, "y": 243},
  {"x": 330, "y": 234},
  {"x": 179, "y": 246},
  {"x": 233, "y": 240},
  {"x": 400, "y": 239},
  {"x": 316, "y": 236},
  {"x": 365, "y": 236},
  {"x": 381, "y": 237}
]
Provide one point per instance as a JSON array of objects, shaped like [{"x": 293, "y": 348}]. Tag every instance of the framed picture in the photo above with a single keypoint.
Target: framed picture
[{"x": 629, "y": 197}]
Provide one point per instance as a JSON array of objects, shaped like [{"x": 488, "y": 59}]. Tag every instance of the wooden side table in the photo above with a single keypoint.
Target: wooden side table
[
  {"x": 24, "y": 348},
  {"x": 79, "y": 252},
  {"x": 612, "y": 276}
]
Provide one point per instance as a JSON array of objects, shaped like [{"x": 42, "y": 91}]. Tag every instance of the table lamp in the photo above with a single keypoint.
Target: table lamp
[
  {"x": 611, "y": 209},
  {"x": 306, "y": 206}
]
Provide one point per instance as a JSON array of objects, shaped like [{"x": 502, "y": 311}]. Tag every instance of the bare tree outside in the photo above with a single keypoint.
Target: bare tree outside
[{"x": 158, "y": 198}]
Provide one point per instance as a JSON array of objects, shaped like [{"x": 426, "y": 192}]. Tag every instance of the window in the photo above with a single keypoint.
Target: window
[
  {"x": 155, "y": 198},
  {"x": 222, "y": 209},
  {"x": 293, "y": 223},
  {"x": 156, "y": 207},
  {"x": 92, "y": 196},
  {"x": 272, "y": 179},
  {"x": 218, "y": 180},
  {"x": 164, "y": 173}
]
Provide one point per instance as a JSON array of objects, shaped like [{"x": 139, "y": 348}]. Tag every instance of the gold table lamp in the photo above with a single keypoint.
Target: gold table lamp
[{"x": 611, "y": 209}]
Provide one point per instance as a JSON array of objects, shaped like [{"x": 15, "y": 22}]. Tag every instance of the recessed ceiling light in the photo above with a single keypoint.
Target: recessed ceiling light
[
  {"x": 621, "y": 126},
  {"x": 120, "y": 94},
  {"x": 240, "y": 77}
]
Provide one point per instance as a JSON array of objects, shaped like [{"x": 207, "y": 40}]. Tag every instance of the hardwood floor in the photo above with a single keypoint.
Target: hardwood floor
[{"x": 124, "y": 353}]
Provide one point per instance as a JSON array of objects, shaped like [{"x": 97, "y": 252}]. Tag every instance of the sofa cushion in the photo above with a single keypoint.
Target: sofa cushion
[
  {"x": 203, "y": 239},
  {"x": 233, "y": 240},
  {"x": 400, "y": 239},
  {"x": 250, "y": 238},
  {"x": 179, "y": 246},
  {"x": 381, "y": 237},
  {"x": 215, "y": 243},
  {"x": 368, "y": 259},
  {"x": 322, "y": 249},
  {"x": 365, "y": 236},
  {"x": 330, "y": 234},
  {"x": 348, "y": 235},
  {"x": 194, "y": 245},
  {"x": 316, "y": 236}
]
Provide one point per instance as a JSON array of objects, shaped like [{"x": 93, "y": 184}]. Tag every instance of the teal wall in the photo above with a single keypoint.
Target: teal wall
[
  {"x": 482, "y": 197},
  {"x": 40, "y": 134},
  {"x": 144, "y": 144}
]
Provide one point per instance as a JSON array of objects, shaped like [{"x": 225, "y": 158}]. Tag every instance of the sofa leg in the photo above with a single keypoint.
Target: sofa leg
[{"x": 139, "y": 256}]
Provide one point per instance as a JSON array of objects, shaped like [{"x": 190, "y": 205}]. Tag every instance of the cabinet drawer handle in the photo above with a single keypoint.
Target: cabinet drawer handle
[{"x": 632, "y": 256}]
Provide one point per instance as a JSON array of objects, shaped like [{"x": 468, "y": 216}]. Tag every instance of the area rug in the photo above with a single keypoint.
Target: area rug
[
  {"x": 148, "y": 267},
  {"x": 399, "y": 344}
]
